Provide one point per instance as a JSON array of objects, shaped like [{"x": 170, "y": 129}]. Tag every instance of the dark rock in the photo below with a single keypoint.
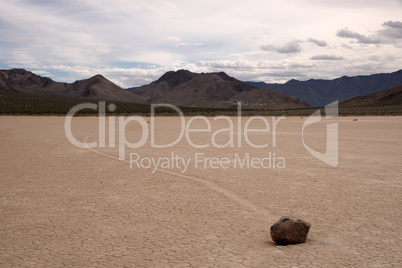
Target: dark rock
[{"x": 289, "y": 230}]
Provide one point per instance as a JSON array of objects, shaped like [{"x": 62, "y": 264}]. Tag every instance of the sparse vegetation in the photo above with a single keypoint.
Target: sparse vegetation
[{"x": 15, "y": 103}]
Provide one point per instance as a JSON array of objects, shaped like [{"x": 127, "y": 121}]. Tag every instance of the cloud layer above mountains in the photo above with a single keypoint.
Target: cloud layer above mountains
[{"x": 134, "y": 42}]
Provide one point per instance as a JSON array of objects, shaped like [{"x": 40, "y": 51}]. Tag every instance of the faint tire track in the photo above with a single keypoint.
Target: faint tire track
[{"x": 210, "y": 185}]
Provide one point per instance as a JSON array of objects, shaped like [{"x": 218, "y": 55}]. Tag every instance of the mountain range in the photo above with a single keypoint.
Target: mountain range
[
  {"x": 96, "y": 87},
  {"x": 318, "y": 92},
  {"x": 205, "y": 90},
  {"x": 213, "y": 90},
  {"x": 180, "y": 88},
  {"x": 388, "y": 97}
]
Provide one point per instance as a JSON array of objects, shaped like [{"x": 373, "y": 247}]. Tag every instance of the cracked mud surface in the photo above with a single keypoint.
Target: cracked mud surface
[{"x": 63, "y": 206}]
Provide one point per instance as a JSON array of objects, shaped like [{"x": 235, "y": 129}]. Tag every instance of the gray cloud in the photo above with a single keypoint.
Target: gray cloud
[
  {"x": 291, "y": 47},
  {"x": 361, "y": 38},
  {"x": 393, "y": 24},
  {"x": 392, "y": 30},
  {"x": 320, "y": 43},
  {"x": 326, "y": 57}
]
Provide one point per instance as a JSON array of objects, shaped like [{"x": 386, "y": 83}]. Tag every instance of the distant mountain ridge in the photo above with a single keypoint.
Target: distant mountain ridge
[
  {"x": 384, "y": 98},
  {"x": 318, "y": 93},
  {"x": 205, "y": 90},
  {"x": 180, "y": 88},
  {"x": 212, "y": 90},
  {"x": 20, "y": 80},
  {"x": 96, "y": 87}
]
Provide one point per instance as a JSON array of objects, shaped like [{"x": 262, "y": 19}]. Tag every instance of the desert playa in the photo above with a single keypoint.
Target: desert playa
[{"x": 64, "y": 206}]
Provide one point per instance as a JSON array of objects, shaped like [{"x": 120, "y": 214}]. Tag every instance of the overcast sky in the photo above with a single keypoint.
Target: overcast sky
[{"x": 134, "y": 42}]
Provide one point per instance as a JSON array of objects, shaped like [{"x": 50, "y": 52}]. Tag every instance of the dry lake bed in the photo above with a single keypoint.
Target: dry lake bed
[{"x": 198, "y": 192}]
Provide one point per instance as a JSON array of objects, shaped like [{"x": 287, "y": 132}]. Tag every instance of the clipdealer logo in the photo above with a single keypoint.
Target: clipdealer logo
[
  {"x": 200, "y": 160},
  {"x": 330, "y": 156}
]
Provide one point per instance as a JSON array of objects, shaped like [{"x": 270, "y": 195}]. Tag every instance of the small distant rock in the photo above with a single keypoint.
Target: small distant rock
[
  {"x": 355, "y": 119},
  {"x": 290, "y": 230}
]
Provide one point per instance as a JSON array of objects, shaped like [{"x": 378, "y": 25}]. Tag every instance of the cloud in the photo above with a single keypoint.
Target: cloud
[
  {"x": 289, "y": 48},
  {"x": 188, "y": 44},
  {"x": 226, "y": 64},
  {"x": 391, "y": 32},
  {"x": 320, "y": 43},
  {"x": 177, "y": 42},
  {"x": 326, "y": 57},
  {"x": 172, "y": 39},
  {"x": 393, "y": 24},
  {"x": 362, "y": 39},
  {"x": 74, "y": 39},
  {"x": 262, "y": 70},
  {"x": 393, "y": 29},
  {"x": 356, "y": 4},
  {"x": 293, "y": 46}
]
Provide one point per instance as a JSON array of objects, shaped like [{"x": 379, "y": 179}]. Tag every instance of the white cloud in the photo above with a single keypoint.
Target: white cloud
[{"x": 172, "y": 39}]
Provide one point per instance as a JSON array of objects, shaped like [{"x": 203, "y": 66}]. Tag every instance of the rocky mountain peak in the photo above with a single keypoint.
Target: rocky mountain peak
[{"x": 175, "y": 78}]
